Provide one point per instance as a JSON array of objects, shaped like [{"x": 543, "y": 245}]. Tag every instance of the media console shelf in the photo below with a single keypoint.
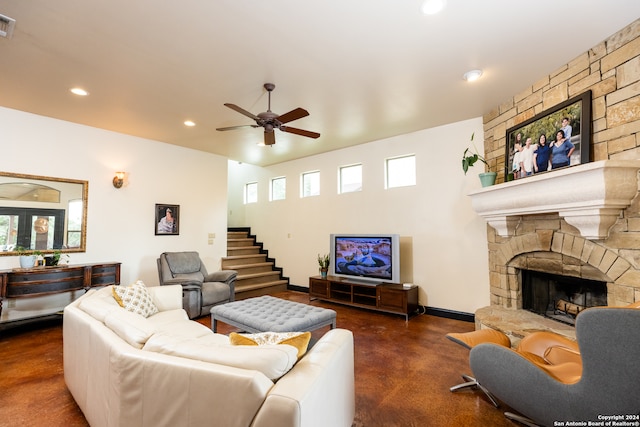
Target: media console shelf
[
  {"x": 21, "y": 283},
  {"x": 387, "y": 297}
]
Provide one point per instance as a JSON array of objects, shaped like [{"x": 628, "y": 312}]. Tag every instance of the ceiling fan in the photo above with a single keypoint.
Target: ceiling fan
[{"x": 270, "y": 120}]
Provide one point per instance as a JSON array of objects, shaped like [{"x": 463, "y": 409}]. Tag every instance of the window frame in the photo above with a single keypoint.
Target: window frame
[
  {"x": 271, "y": 192},
  {"x": 247, "y": 194},
  {"x": 303, "y": 194},
  {"x": 388, "y": 171},
  {"x": 341, "y": 188}
]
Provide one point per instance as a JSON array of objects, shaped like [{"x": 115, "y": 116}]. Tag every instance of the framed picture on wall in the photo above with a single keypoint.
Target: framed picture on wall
[
  {"x": 167, "y": 220},
  {"x": 558, "y": 137}
]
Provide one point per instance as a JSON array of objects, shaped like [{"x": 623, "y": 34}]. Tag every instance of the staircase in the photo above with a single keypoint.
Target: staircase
[{"x": 257, "y": 273}]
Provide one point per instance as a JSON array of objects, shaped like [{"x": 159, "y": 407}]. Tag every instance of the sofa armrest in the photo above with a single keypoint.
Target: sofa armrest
[
  {"x": 181, "y": 282},
  {"x": 166, "y": 297},
  {"x": 323, "y": 379},
  {"x": 224, "y": 276}
]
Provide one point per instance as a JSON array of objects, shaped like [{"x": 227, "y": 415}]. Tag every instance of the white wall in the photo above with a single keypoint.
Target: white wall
[
  {"x": 121, "y": 222},
  {"x": 443, "y": 241}
]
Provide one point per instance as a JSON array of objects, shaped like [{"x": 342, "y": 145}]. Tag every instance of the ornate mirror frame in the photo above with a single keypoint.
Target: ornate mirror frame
[{"x": 45, "y": 187}]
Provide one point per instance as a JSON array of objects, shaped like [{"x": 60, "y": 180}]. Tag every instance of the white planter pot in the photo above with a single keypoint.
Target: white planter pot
[{"x": 27, "y": 261}]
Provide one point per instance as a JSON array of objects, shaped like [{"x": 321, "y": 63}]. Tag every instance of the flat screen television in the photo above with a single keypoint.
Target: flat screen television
[{"x": 371, "y": 258}]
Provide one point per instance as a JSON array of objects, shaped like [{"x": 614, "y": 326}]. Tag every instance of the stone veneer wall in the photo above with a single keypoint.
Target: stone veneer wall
[{"x": 611, "y": 70}]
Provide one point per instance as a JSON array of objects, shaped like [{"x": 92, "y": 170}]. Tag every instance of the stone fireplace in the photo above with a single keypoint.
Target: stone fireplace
[
  {"x": 578, "y": 225},
  {"x": 581, "y": 222}
]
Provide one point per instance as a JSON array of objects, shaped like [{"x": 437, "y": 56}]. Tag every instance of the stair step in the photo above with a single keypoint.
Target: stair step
[
  {"x": 258, "y": 267},
  {"x": 250, "y": 291},
  {"x": 256, "y": 278},
  {"x": 230, "y": 262},
  {"x": 235, "y": 243},
  {"x": 237, "y": 234},
  {"x": 243, "y": 250}
]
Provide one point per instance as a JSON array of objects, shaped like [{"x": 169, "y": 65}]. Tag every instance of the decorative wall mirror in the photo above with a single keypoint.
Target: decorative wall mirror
[{"x": 41, "y": 213}]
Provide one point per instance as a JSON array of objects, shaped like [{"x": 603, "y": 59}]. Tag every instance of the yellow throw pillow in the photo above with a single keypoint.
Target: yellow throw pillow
[
  {"x": 300, "y": 340},
  {"x": 135, "y": 298}
]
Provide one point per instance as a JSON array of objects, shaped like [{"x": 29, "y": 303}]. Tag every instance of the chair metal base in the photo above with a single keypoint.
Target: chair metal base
[
  {"x": 519, "y": 418},
  {"x": 471, "y": 382}
]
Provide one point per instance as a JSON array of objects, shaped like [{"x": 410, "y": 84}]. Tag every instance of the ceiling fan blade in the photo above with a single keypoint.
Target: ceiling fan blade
[
  {"x": 269, "y": 137},
  {"x": 242, "y": 111},
  {"x": 238, "y": 127},
  {"x": 302, "y": 132},
  {"x": 292, "y": 115}
]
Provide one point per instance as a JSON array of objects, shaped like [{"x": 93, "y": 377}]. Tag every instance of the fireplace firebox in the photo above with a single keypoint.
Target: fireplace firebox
[{"x": 560, "y": 297}]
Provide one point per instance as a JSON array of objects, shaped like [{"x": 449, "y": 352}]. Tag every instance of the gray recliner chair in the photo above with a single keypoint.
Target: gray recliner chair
[
  {"x": 609, "y": 344},
  {"x": 200, "y": 290}
]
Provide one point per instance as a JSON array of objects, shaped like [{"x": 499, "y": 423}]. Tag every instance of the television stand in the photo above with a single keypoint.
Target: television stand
[{"x": 386, "y": 297}]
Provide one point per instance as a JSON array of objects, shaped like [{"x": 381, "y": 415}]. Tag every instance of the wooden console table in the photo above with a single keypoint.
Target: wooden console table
[
  {"x": 387, "y": 297},
  {"x": 38, "y": 281}
]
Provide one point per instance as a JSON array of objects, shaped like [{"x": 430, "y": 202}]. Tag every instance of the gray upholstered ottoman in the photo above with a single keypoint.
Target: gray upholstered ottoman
[{"x": 266, "y": 313}]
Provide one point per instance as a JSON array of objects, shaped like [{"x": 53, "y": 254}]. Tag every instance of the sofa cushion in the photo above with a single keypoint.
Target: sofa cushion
[
  {"x": 183, "y": 262},
  {"x": 173, "y": 323},
  {"x": 131, "y": 327},
  {"x": 99, "y": 303},
  {"x": 272, "y": 360},
  {"x": 168, "y": 316},
  {"x": 135, "y": 298},
  {"x": 300, "y": 340}
]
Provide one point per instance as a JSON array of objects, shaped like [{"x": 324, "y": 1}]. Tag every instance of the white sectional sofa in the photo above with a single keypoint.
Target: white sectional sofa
[{"x": 165, "y": 370}]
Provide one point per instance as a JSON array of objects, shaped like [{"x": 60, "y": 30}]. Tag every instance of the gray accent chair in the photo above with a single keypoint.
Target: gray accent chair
[
  {"x": 200, "y": 290},
  {"x": 609, "y": 342}
]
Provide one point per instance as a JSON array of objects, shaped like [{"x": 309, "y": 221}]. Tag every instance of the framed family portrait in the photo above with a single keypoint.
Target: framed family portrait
[
  {"x": 167, "y": 220},
  {"x": 559, "y": 137}
]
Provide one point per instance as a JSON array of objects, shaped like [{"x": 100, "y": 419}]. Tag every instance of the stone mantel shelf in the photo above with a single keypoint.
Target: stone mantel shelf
[{"x": 591, "y": 197}]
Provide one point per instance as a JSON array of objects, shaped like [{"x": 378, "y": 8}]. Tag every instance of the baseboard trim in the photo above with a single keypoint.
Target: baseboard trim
[
  {"x": 449, "y": 314},
  {"x": 297, "y": 288},
  {"x": 432, "y": 311}
]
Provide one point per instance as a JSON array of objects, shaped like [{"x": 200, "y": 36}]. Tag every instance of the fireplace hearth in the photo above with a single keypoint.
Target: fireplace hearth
[{"x": 558, "y": 297}]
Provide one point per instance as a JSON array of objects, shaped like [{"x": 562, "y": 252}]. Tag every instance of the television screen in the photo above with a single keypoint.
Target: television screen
[{"x": 372, "y": 257}]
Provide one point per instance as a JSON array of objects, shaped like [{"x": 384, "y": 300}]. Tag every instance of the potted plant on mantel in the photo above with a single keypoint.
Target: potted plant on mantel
[
  {"x": 469, "y": 158},
  {"x": 27, "y": 258},
  {"x": 323, "y": 263},
  {"x": 56, "y": 258}
]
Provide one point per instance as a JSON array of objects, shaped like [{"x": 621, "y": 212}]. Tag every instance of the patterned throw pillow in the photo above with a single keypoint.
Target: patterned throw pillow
[
  {"x": 135, "y": 298},
  {"x": 300, "y": 340}
]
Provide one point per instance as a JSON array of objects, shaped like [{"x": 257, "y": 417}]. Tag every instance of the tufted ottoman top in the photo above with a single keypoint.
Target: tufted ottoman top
[{"x": 266, "y": 313}]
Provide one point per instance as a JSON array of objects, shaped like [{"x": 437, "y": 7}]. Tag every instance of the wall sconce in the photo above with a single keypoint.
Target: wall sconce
[{"x": 118, "y": 180}]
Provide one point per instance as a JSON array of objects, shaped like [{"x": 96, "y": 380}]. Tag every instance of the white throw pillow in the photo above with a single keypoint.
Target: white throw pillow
[{"x": 135, "y": 298}]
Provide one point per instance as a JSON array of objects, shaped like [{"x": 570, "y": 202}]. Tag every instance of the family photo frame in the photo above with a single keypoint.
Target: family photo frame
[
  {"x": 572, "y": 117},
  {"x": 167, "y": 220}
]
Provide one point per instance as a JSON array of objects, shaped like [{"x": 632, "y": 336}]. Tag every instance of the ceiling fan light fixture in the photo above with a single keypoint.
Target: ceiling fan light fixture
[
  {"x": 271, "y": 121},
  {"x": 189, "y": 123},
  {"x": 472, "y": 75},
  {"x": 431, "y": 7}
]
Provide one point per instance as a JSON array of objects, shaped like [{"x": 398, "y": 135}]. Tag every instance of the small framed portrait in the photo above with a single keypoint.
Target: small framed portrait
[{"x": 167, "y": 220}]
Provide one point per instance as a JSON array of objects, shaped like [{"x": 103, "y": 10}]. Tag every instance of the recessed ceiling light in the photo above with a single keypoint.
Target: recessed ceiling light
[
  {"x": 189, "y": 123},
  {"x": 79, "y": 91},
  {"x": 431, "y": 7},
  {"x": 472, "y": 75}
]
